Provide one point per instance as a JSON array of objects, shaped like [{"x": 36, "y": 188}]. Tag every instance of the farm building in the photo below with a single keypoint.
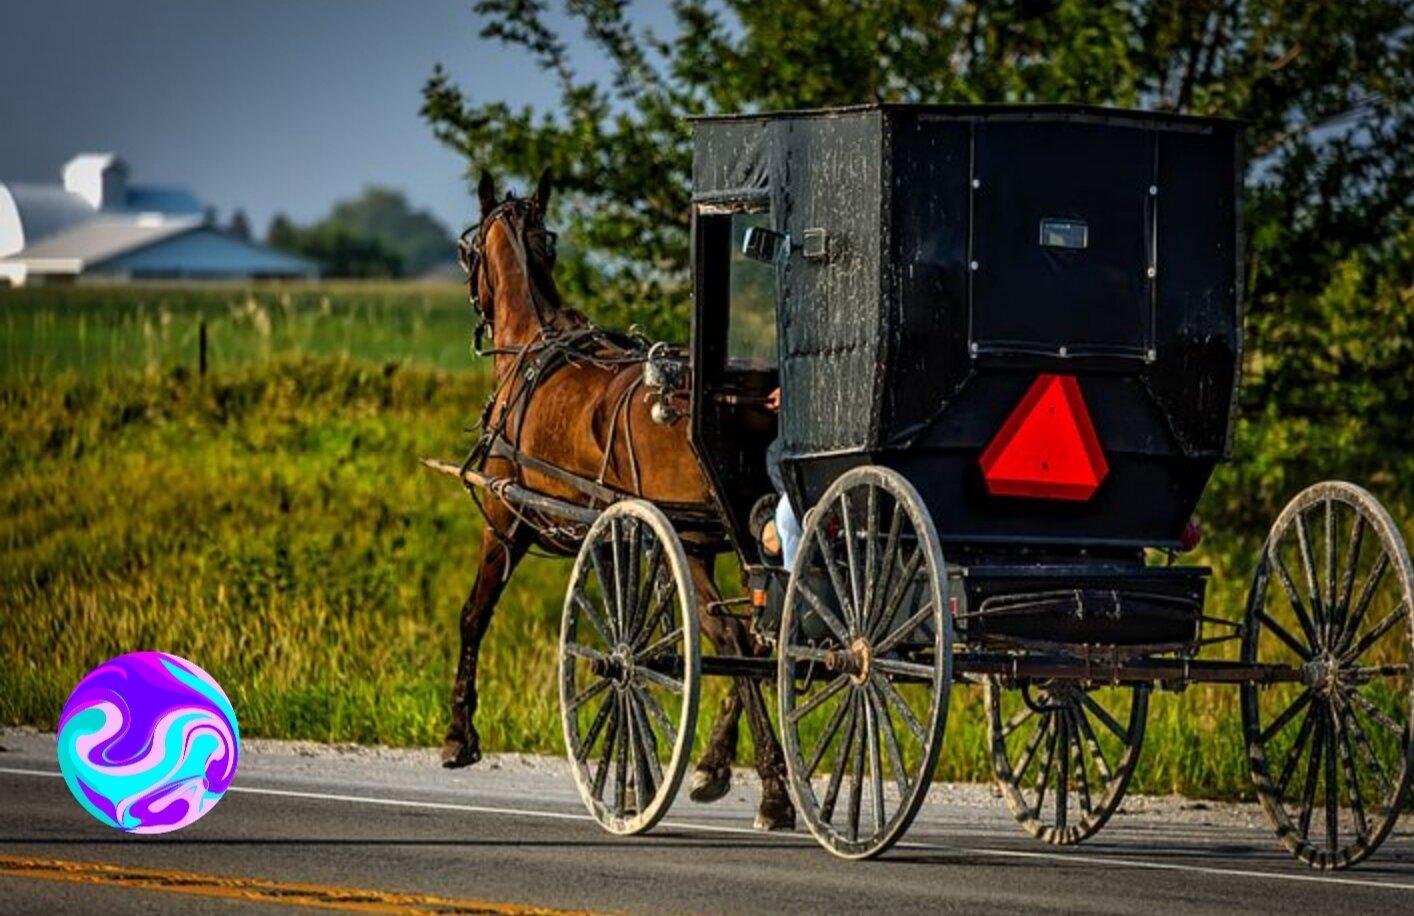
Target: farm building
[{"x": 95, "y": 225}]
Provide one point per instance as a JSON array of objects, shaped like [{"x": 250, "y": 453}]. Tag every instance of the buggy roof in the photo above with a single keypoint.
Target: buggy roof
[{"x": 1077, "y": 112}]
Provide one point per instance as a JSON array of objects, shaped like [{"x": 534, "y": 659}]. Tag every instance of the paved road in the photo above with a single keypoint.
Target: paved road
[{"x": 306, "y": 826}]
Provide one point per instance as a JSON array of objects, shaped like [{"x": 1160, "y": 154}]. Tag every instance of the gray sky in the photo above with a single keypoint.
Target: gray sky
[{"x": 268, "y": 105}]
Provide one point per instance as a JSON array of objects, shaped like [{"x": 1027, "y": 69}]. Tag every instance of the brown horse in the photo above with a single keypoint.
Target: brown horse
[{"x": 569, "y": 420}]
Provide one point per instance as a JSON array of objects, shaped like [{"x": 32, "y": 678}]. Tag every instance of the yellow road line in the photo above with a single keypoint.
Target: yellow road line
[{"x": 255, "y": 890}]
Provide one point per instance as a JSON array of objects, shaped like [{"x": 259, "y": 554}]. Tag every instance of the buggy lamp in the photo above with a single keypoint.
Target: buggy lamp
[{"x": 1047, "y": 447}]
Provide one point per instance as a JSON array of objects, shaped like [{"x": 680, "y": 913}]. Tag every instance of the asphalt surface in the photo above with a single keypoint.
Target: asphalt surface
[{"x": 511, "y": 833}]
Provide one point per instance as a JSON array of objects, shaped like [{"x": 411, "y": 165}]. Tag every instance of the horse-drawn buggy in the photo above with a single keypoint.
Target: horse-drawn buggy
[{"x": 1007, "y": 345}]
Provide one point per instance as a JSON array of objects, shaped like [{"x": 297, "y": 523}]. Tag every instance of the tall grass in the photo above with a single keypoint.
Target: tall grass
[{"x": 269, "y": 522}]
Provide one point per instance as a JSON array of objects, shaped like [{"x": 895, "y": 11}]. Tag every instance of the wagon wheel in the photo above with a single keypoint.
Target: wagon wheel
[
  {"x": 1332, "y": 756},
  {"x": 865, "y": 664},
  {"x": 1063, "y": 755},
  {"x": 629, "y": 667}
]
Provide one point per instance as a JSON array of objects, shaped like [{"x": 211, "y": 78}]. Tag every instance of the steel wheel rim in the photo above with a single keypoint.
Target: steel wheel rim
[
  {"x": 613, "y": 690},
  {"x": 866, "y": 707},
  {"x": 1344, "y": 731},
  {"x": 1101, "y": 751}
]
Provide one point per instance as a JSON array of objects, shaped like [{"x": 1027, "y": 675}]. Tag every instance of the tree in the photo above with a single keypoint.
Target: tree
[
  {"x": 1325, "y": 88},
  {"x": 340, "y": 251},
  {"x": 239, "y": 226},
  {"x": 382, "y": 214}
]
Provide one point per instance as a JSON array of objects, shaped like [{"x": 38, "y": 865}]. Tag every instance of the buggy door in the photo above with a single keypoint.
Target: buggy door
[{"x": 734, "y": 353}]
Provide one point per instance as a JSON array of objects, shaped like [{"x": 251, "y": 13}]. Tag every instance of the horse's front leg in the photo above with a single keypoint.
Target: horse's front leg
[{"x": 499, "y": 556}]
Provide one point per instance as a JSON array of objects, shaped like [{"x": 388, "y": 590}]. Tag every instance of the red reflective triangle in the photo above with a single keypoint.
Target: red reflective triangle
[{"x": 1047, "y": 448}]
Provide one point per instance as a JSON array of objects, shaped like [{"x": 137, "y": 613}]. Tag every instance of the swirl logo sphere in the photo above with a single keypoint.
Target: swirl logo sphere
[{"x": 148, "y": 742}]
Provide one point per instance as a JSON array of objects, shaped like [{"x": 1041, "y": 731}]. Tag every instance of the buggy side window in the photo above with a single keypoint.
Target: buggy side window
[{"x": 751, "y": 321}]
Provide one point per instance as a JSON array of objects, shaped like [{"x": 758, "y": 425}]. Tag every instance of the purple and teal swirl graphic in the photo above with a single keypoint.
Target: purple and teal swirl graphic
[{"x": 148, "y": 742}]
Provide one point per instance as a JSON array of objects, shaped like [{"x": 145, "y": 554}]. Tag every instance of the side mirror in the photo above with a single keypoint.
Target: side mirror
[{"x": 765, "y": 245}]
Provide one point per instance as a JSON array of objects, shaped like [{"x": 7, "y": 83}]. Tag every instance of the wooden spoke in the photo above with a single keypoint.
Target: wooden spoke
[
  {"x": 1313, "y": 773},
  {"x": 1063, "y": 763},
  {"x": 1286, "y": 715},
  {"x": 662, "y": 680},
  {"x": 1028, "y": 753},
  {"x": 851, "y": 551},
  {"x": 896, "y": 700},
  {"x": 1082, "y": 777},
  {"x": 590, "y": 692},
  {"x": 584, "y": 652},
  {"x": 1293, "y": 756},
  {"x": 1332, "y": 788},
  {"x": 809, "y": 654},
  {"x": 1352, "y": 560},
  {"x": 621, "y": 759},
  {"x": 647, "y": 602},
  {"x": 1367, "y": 595},
  {"x": 1352, "y": 784},
  {"x": 871, "y": 556},
  {"x": 1332, "y": 612},
  {"x": 1280, "y": 632},
  {"x": 898, "y": 593},
  {"x": 1103, "y": 715},
  {"x": 876, "y": 767},
  {"x": 655, "y": 709},
  {"x": 890, "y": 642},
  {"x": 837, "y": 627},
  {"x": 1017, "y": 720},
  {"x": 891, "y": 745},
  {"x": 1380, "y": 629},
  {"x": 606, "y": 708},
  {"x": 1293, "y": 597},
  {"x": 819, "y": 699},
  {"x": 669, "y": 641},
  {"x": 606, "y": 587},
  {"x": 832, "y": 789},
  {"x": 1308, "y": 566},
  {"x": 1368, "y": 751},
  {"x": 1097, "y": 753},
  {"x": 886, "y": 571},
  {"x": 606, "y": 755},
  {"x": 1378, "y": 715},
  {"x": 827, "y": 557},
  {"x": 856, "y": 782},
  {"x": 828, "y": 735},
  {"x": 650, "y": 772},
  {"x": 632, "y": 556},
  {"x": 906, "y": 669},
  {"x": 586, "y": 607},
  {"x": 1043, "y": 776}
]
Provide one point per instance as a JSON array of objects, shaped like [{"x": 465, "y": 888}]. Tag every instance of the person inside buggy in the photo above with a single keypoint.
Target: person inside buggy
[{"x": 774, "y": 522}]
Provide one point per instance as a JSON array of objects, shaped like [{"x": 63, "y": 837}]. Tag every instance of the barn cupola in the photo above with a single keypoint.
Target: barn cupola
[{"x": 101, "y": 179}]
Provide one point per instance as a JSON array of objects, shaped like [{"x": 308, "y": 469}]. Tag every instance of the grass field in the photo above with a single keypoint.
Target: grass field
[{"x": 269, "y": 522}]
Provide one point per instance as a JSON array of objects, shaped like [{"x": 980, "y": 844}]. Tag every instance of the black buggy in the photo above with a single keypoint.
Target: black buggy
[{"x": 1008, "y": 341}]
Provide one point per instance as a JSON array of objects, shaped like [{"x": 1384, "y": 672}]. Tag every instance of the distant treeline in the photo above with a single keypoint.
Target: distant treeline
[{"x": 377, "y": 234}]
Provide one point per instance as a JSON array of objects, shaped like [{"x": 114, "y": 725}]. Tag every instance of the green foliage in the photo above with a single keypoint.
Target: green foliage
[
  {"x": 1325, "y": 87},
  {"x": 382, "y": 214},
  {"x": 377, "y": 234},
  {"x": 339, "y": 250}
]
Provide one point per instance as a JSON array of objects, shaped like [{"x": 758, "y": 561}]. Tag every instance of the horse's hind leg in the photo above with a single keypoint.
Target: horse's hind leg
[
  {"x": 462, "y": 746},
  {"x": 729, "y": 635}
]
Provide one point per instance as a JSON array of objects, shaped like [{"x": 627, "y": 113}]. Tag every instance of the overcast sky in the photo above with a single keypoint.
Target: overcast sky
[{"x": 267, "y": 105}]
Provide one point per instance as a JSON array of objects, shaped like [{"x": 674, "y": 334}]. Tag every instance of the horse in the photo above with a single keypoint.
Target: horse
[{"x": 566, "y": 419}]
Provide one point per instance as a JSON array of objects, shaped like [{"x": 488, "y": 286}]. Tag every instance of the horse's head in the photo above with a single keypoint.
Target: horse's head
[{"x": 508, "y": 258}]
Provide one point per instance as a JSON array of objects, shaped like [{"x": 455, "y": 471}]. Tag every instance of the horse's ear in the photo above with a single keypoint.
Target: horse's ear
[
  {"x": 543, "y": 187},
  {"x": 486, "y": 190}
]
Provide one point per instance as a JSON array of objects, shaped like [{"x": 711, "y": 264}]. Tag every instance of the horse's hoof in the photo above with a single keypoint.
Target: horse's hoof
[
  {"x": 775, "y": 814},
  {"x": 458, "y": 754},
  {"x": 710, "y": 784}
]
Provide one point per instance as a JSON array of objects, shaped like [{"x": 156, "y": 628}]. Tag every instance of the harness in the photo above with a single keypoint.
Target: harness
[{"x": 563, "y": 339}]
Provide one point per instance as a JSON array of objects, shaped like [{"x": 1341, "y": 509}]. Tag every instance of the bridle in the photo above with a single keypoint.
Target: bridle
[{"x": 525, "y": 227}]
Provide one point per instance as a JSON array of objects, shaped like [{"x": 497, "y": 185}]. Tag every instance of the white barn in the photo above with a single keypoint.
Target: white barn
[{"x": 97, "y": 225}]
